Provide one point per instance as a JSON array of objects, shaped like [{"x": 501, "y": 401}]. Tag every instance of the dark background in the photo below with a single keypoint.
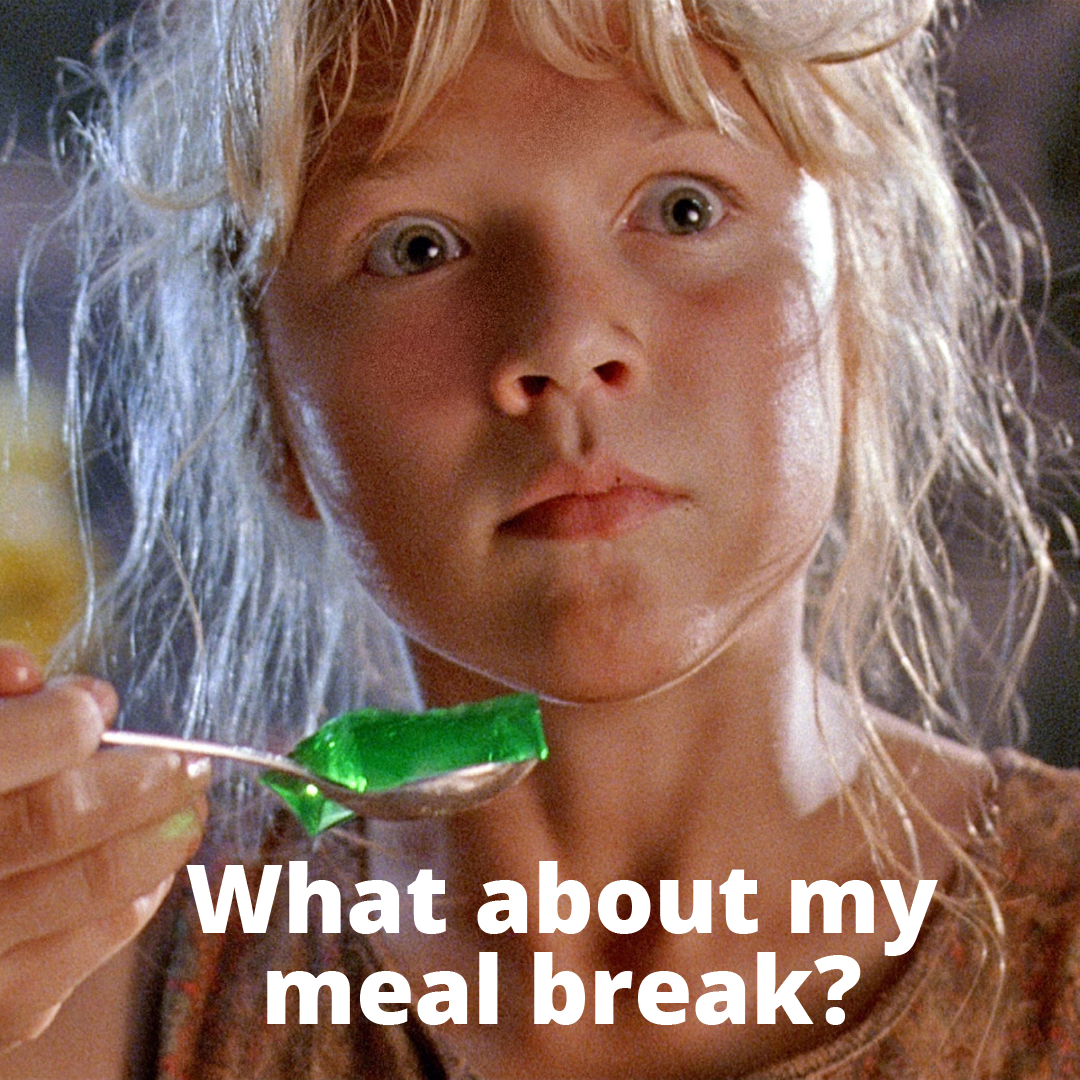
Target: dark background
[{"x": 1016, "y": 74}]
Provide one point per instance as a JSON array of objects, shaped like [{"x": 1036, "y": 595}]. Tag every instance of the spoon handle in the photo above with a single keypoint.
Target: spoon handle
[{"x": 262, "y": 758}]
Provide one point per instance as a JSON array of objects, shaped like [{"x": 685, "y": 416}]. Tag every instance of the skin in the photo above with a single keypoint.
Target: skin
[{"x": 572, "y": 330}]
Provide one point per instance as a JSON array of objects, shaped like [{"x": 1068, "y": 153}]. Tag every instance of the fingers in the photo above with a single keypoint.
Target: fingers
[
  {"x": 85, "y": 858},
  {"x": 79, "y": 808},
  {"x": 75, "y": 892},
  {"x": 51, "y": 729},
  {"x": 39, "y": 975}
]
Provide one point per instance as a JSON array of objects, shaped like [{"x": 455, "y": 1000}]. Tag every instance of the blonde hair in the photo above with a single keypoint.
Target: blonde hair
[{"x": 229, "y": 617}]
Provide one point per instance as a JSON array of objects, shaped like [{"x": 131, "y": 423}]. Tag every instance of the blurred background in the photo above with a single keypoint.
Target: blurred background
[{"x": 1016, "y": 75}]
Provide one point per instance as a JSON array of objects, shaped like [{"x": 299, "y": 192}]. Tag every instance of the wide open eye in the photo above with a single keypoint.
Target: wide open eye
[
  {"x": 411, "y": 245},
  {"x": 680, "y": 206}
]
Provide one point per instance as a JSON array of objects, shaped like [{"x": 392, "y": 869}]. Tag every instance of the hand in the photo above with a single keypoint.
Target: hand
[{"x": 89, "y": 840}]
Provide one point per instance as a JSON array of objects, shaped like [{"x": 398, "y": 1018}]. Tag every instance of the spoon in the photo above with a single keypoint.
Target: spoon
[
  {"x": 389, "y": 765},
  {"x": 449, "y": 793}
]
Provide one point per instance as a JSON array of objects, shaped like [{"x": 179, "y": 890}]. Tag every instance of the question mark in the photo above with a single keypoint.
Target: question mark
[{"x": 850, "y": 972}]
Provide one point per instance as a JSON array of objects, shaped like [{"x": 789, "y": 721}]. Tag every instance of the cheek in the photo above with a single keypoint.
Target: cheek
[
  {"x": 760, "y": 365},
  {"x": 401, "y": 368},
  {"x": 391, "y": 424},
  {"x": 377, "y": 392},
  {"x": 762, "y": 387}
]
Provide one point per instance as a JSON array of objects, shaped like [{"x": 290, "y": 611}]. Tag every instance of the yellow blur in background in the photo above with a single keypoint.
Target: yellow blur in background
[{"x": 42, "y": 573}]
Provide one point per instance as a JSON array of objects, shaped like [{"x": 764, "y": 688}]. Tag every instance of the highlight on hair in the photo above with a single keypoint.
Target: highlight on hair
[{"x": 229, "y": 617}]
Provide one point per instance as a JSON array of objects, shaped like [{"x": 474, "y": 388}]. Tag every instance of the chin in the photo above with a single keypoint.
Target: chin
[
  {"x": 590, "y": 675},
  {"x": 576, "y": 653}
]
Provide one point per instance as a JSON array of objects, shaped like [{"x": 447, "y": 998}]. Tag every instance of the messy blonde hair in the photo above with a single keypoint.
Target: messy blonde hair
[{"x": 229, "y": 617}]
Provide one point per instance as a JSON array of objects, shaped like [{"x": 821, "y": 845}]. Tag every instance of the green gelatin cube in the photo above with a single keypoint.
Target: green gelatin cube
[
  {"x": 316, "y": 812},
  {"x": 378, "y": 750}
]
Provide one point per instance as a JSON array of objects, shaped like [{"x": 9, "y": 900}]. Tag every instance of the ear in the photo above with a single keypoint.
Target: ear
[{"x": 292, "y": 485}]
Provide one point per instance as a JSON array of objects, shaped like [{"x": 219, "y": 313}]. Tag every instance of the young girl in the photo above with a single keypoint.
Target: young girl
[{"x": 637, "y": 354}]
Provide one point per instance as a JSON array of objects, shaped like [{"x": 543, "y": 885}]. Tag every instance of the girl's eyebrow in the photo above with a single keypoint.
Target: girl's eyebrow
[
  {"x": 666, "y": 127},
  {"x": 406, "y": 156},
  {"x": 358, "y": 167},
  {"x": 395, "y": 162},
  {"x": 355, "y": 166}
]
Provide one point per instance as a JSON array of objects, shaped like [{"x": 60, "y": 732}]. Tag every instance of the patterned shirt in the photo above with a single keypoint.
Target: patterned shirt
[{"x": 960, "y": 1011}]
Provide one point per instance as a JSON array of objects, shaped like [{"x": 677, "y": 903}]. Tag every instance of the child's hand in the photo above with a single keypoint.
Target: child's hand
[{"x": 89, "y": 841}]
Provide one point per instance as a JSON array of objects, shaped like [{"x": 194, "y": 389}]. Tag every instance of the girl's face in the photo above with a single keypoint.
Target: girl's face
[{"x": 562, "y": 371}]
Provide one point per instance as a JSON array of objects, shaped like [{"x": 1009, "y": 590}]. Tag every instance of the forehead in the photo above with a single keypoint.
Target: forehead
[{"x": 508, "y": 94}]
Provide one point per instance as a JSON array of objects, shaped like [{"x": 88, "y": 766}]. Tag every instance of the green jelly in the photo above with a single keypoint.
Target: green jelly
[{"x": 377, "y": 750}]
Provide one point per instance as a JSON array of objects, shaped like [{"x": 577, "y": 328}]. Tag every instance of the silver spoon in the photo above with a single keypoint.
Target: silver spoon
[{"x": 448, "y": 793}]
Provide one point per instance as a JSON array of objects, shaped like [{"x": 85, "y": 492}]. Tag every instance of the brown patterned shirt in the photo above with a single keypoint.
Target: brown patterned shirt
[{"x": 955, "y": 1014}]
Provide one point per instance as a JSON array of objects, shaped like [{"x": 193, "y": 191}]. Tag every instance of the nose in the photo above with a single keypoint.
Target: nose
[{"x": 569, "y": 337}]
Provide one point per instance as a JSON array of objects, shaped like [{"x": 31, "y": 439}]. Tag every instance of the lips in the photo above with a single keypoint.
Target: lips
[{"x": 596, "y": 501}]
